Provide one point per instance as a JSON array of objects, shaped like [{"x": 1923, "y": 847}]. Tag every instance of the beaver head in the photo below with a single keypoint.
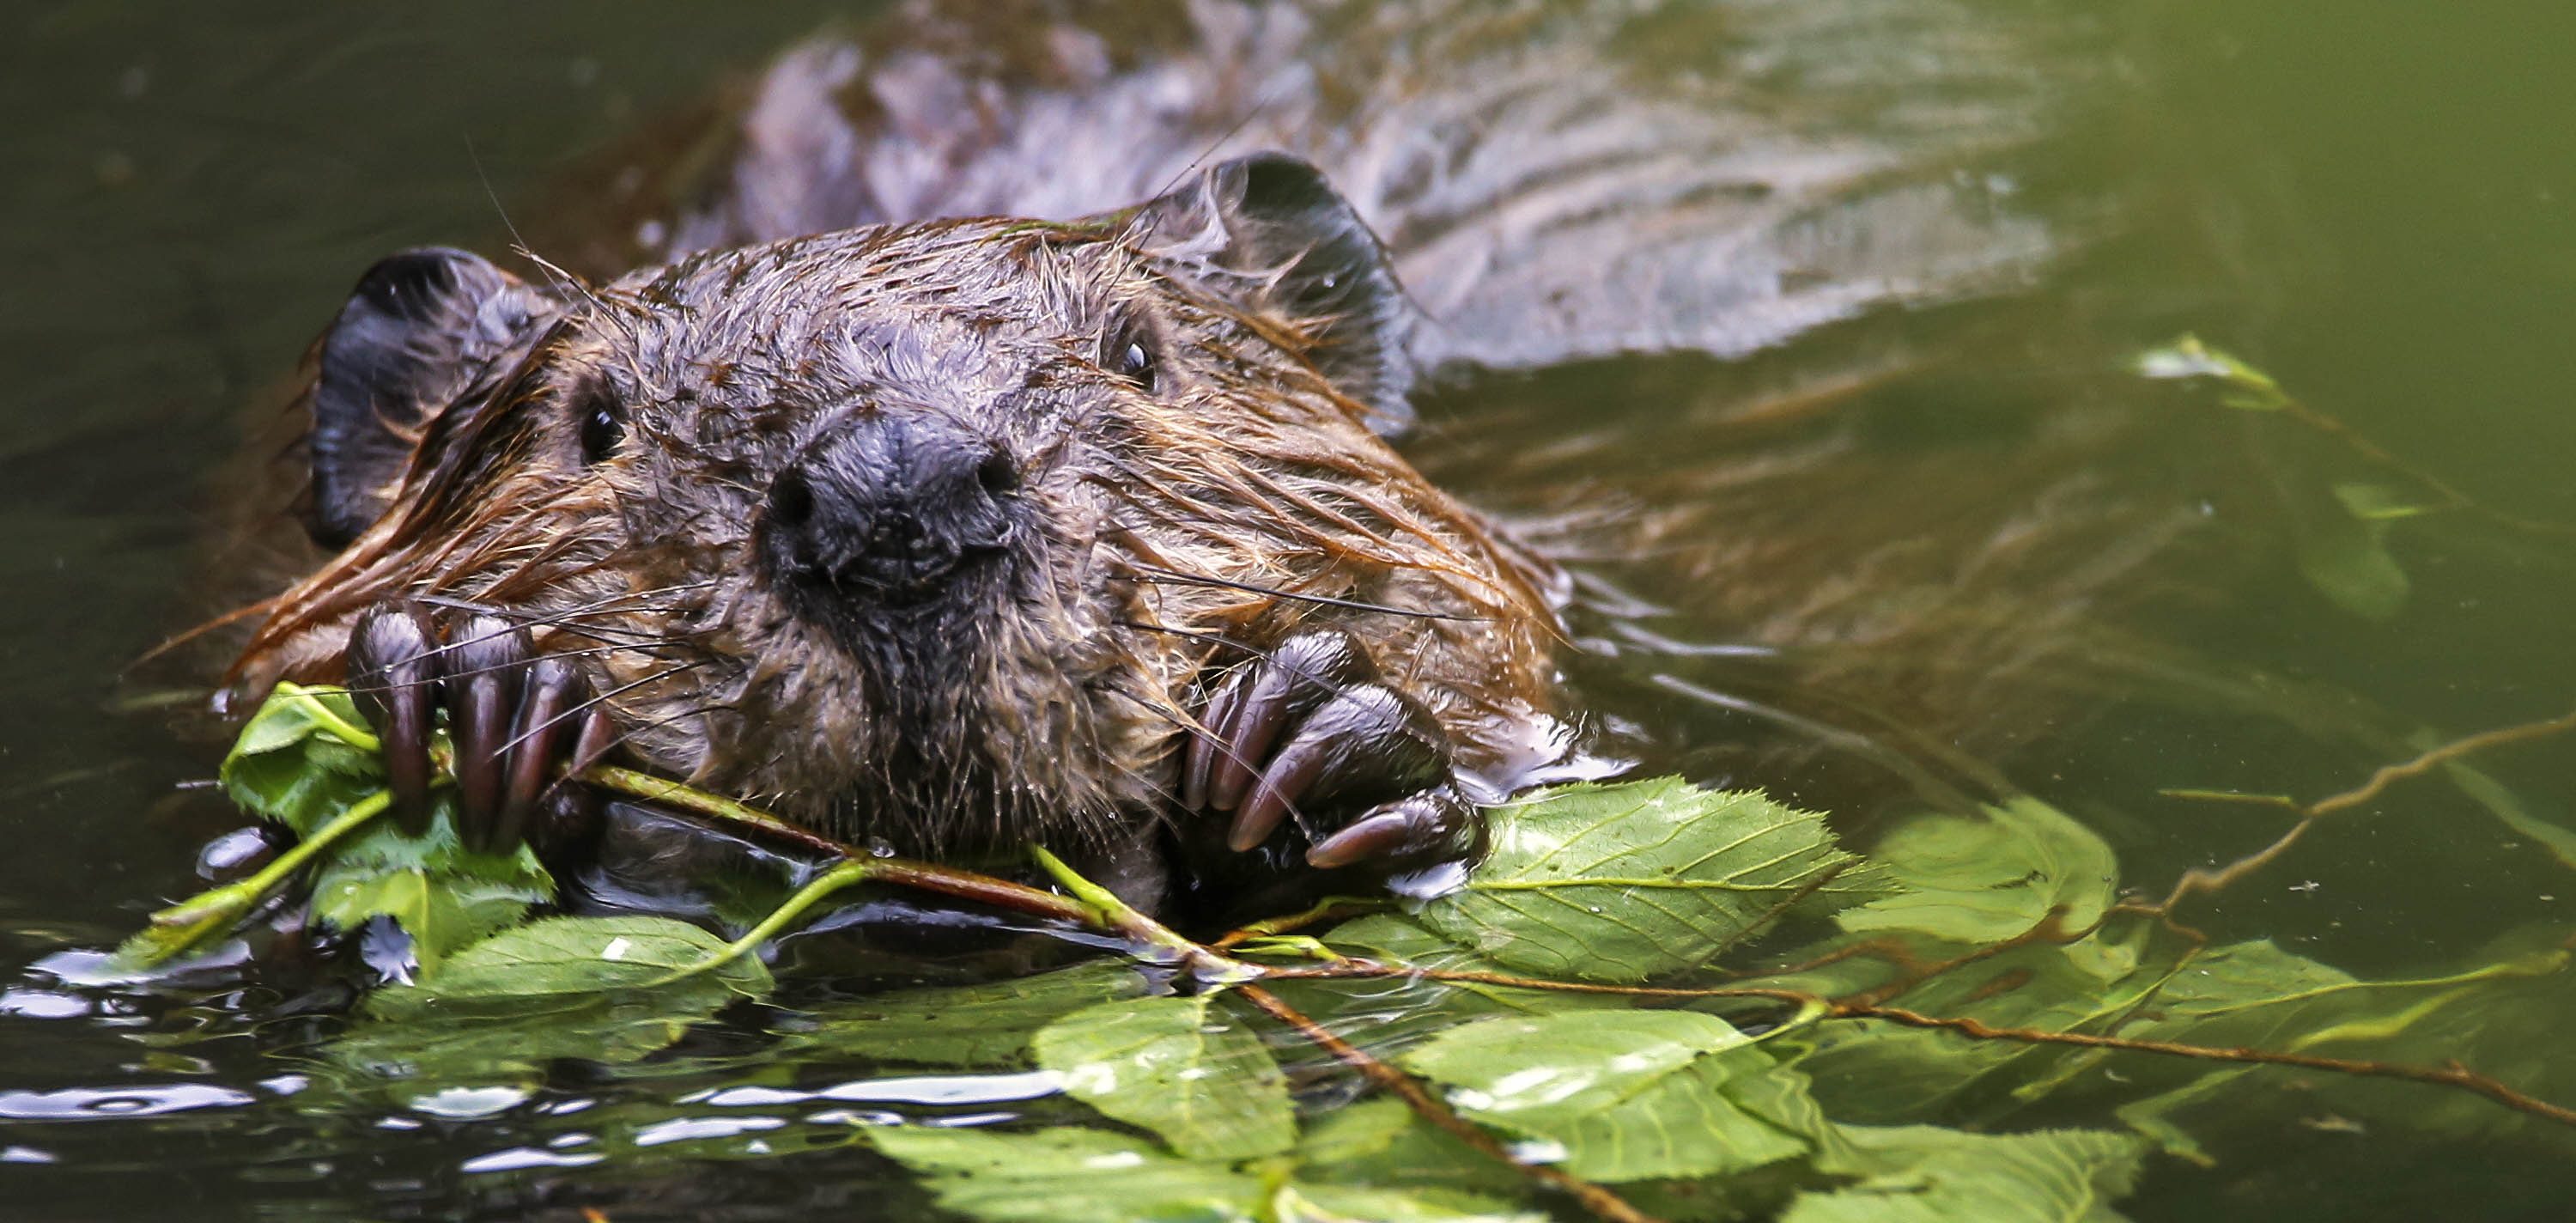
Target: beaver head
[{"x": 926, "y": 531}]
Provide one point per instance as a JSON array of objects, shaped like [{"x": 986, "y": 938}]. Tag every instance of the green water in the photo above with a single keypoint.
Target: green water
[{"x": 2370, "y": 201}]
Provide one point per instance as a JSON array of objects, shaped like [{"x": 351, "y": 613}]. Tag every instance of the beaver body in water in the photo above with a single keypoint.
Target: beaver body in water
[{"x": 963, "y": 532}]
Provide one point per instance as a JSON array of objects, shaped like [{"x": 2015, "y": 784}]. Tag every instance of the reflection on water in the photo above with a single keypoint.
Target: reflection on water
[{"x": 2379, "y": 217}]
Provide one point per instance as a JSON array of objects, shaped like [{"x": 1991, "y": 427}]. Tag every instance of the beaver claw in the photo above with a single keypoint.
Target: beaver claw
[
  {"x": 510, "y": 715},
  {"x": 1346, "y": 745}
]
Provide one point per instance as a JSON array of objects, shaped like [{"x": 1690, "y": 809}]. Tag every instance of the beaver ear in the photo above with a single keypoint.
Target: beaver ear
[
  {"x": 417, "y": 329},
  {"x": 1269, "y": 232}
]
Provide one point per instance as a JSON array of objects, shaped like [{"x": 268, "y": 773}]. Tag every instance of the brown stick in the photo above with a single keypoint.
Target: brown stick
[{"x": 1601, "y": 1202}]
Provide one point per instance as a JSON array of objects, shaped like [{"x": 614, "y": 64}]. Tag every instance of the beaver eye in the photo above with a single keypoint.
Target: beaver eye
[
  {"x": 1128, "y": 352},
  {"x": 602, "y": 424}
]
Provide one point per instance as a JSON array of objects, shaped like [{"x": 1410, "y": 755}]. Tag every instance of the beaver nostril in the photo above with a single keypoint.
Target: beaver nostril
[
  {"x": 791, "y": 499},
  {"x": 998, "y": 474}
]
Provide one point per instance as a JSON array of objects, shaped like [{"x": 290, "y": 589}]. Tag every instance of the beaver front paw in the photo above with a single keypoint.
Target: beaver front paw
[
  {"x": 1310, "y": 730},
  {"x": 513, "y": 716}
]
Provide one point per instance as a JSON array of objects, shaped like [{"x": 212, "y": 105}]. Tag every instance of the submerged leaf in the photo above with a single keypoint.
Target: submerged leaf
[
  {"x": 1988, "y": 878},
  {"x": 981, "y": 1026},
  {"x": 1925, "y": 1174},
  {"x": 1625, "y": 882},
  {"x": 2347, "y": 560},
  {"x": 1173, "y": 1066}
]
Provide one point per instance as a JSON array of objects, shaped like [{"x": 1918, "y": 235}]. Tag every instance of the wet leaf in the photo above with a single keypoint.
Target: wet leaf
[
  {"x": 601, "y": 988},
  {"x": 1628, "y": 1095},
  {"x": 1625, "y": 882},
  {"x": 443, "y": 895},
  {"x": 2348, "y": 561},
  {"x": 548, "y": 964},
  {"x": 1178, "y": 1067},
  {"x": 1082, "y": 1176},
  {"x": 2379, "y": 503},
  {"x": 2251, "y": 389},
  {"x": 1992, "y": 877},
  {"x": 1925, "y": 1174},
  {"x": 295, "y": 761}
]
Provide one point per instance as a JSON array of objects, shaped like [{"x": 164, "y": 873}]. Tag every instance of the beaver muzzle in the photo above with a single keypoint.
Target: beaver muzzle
[{"x": 890, "y": 509}]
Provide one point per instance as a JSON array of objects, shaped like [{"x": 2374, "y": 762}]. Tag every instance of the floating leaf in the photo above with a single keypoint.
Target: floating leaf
[
  {"x": 1625, "y": 882},
  {"x": 1067, "y": 1175},
  {"x": 539, "y": 966},
  {"x": 1176, "y": 1067},
  {"x": 604, "y": 988},
  {"x": 985, "y": 1026},
  {"x": 1090, "y": 1176},
  {"x": 1924, "y": 1174},
  {"x": 1628, "y": 1094},
  {"x": 1991, "y": 877}
]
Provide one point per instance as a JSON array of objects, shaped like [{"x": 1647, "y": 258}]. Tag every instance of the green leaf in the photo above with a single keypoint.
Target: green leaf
[
  {"x": 2186, "y": 357},
  {"x": 2378, "y": 502},
  {"x": 545, "y": 964},
  {"x": 1067, "y": 1176},
  {"x": 1382, "y": 1142},
  {"x": 1304, "y": 1203},
  {"x": 302, "y": 759},
  {"x": 1625, "y": 882},
  {"x": 609, "y": 989},
  {"x": 1924, "y": 1174},
  {"x": 1989, "y": 878},
  {"x": 443, "y": 895},
  {"x": 2348, "y": 561},
  {"x": 1627, "y": 1094},
  {"x": 1091, "y": 1176},
  {"x": 1174, "y": 1066},
  {"x": 986, "y": 1026}
]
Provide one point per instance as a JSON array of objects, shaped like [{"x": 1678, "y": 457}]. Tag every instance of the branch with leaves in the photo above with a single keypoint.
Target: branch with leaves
[{"x": 1554, "y": 1020}]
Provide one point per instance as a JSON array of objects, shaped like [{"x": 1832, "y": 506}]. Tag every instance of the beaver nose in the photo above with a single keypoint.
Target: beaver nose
[{"x": 889, "y": 507}]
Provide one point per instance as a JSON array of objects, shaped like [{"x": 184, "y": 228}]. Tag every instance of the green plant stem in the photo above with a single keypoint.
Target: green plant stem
[
  {"x": 847, "y": 874},
  {"x": 1107, "y": 911},
  {"x": 190, "y": 921},
  {"x": 358, "y": 737}
]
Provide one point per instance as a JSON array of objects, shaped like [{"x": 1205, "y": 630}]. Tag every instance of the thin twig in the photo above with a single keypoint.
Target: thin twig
[
  {"x": 2452, "y": 1074},
  {"x": 2210, "y": 880}
]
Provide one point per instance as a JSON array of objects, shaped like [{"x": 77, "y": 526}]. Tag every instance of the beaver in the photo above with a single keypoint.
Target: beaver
[
  {"x": 957, "y": 532},
  {"x": 953, "y": 534}
]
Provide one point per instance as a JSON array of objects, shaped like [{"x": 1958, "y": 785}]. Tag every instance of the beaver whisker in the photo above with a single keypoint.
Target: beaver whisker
[
  {"x": 586, "y": 706},
  {"x": 562, "y": 618},
  {"x": 631, "y": 685},
  {"x": 1337, "y": 688},
  {"x": 1150, "y": 573}
]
